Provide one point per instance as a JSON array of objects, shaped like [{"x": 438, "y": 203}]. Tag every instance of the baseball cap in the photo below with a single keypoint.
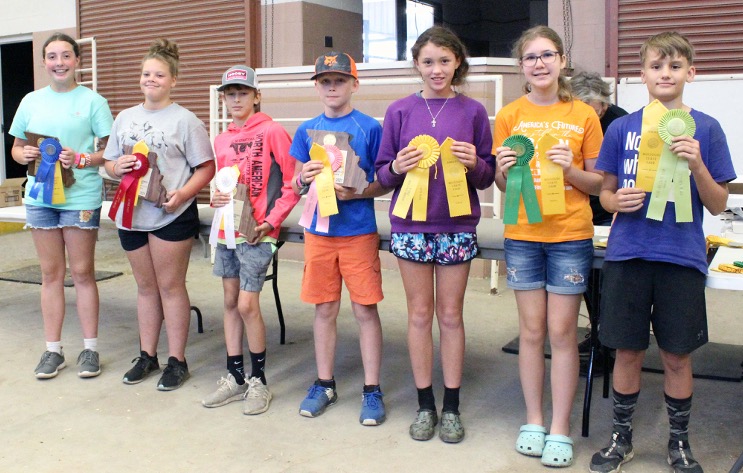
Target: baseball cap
[
  {"x": 335, "y": 61},
  {"x": 239, "y": 75}
]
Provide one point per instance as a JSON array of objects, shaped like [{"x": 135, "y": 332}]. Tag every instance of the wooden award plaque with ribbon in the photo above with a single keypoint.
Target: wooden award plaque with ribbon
[
  {"x": 151, "y": 186},
  {"x": 35, "y": 139},
  {"x": 245, "y": 223},
  {"x": 347, "y": 173}
]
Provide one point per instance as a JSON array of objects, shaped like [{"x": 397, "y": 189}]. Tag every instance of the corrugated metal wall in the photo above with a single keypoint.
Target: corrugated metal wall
[
  {"x": 715, "y": 28},
  {"x": 211, "y": 36}
]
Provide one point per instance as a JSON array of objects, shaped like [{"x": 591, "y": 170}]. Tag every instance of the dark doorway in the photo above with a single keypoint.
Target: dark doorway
[{"x": 17, "y": 79}]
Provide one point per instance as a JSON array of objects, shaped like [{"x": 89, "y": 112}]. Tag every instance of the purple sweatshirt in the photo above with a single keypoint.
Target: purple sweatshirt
[{"x": 462, "y": 119}]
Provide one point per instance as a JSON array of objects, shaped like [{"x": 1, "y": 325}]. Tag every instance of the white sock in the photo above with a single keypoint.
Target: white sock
[
  {"x": 90, "y": 343},
  {"x": 55, "y": 347}
]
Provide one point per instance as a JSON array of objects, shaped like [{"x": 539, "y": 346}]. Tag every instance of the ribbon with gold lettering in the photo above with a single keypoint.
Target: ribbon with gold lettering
[
  {"x": 415, "y": 186},
  {"x": 551, "y": 178},
  {"x": 127, "y": 191},
  {"x": 47, "y": 173},
  {"x": 650, "y": 145},
  {"x": 455, "y": 180},
  {"x": 520, "y": 184},
  {"x": 224, "y": 217},
  {"x": 321, "y": 196},
  {"x": 673, "y": 172}
]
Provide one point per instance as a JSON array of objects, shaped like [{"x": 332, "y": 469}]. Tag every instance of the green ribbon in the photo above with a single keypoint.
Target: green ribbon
[
  {"x": 673, "y": 173},
  {"x": 520, "y": 183}
]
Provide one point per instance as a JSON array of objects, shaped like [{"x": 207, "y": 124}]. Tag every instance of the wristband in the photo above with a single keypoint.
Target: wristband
[
  {"x": 300, "y": 184},
  {"x": 77, "y": 160},
  {"x": 392, "y": 169}
]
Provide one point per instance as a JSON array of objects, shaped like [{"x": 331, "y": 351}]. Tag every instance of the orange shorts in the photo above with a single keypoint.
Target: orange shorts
[{"x": 330, "y": 260}]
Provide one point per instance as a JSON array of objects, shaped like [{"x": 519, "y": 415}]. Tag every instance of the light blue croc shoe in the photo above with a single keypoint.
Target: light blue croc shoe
[
  {"x": 531, "y": 440},
  {"x": 558, "y": 451}
]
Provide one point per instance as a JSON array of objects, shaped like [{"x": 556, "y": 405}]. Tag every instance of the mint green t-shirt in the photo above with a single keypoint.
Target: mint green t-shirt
[{"x": 76, "y": 118}]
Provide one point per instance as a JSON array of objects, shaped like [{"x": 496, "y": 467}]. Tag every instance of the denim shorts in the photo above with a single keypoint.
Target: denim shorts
[
  {"x": 48, "y": 218},
  {"x": 438, "y": 248},
  {"x": 563, "y": 268},
  {"x": 247, "y": 262}
]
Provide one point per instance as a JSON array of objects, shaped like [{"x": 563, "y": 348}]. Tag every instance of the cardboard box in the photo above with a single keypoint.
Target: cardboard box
[{"x": 11, "y": 192}]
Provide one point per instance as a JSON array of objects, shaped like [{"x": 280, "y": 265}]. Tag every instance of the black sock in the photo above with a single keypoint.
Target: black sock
[
  {"x": 451, "y": 400},
  {"x": 426, "y": 399},
  {"x": 258, "y": 363},
  {"x": 624, "y": 408},
  {"x": 236, "y": 367},
  {"x": 678, "y": 417},
  {"x": 370, "y": 388},
  {"x": 326, "y": 383}
]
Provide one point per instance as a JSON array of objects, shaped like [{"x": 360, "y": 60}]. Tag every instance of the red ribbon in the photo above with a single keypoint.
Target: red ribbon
[{"x": 127, "y": 191}]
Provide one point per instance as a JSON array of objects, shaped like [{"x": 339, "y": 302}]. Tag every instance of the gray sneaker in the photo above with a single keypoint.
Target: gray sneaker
[
  {"x": 451, "y": 430},
  {"x": 227, "y": 391},
  {"x": 49, "y": 365},
  {"x": 257, "y": 398},
  {"x": 611, "y": 458},
  {"x": 424, "y": 426},
  {"x": 680, "y": 459},
  {"x": 90, "y": 365}
]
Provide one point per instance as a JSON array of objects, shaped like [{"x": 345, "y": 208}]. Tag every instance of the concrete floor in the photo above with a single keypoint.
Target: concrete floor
[{"x": 69, "y": 424}]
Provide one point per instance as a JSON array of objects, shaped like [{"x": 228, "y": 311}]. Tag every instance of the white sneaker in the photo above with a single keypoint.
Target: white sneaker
[
  {"x": 257, "y": 398},
  {"x": 227, "y": 391}
]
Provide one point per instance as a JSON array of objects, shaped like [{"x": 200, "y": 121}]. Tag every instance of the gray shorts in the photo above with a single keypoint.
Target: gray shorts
[{"x": 247, "y": 262}]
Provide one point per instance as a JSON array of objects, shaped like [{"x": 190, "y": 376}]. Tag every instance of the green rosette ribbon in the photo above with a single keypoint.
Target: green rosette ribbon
[
  {"x": 673, "y": 173},
  {"x": 520, "y": 184}
]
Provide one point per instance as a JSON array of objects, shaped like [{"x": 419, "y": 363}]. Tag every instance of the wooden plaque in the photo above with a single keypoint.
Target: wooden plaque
[
  {"x": 152, "y": 188},
  {"x": 245, "y": 223},
  {"x": 35, "y": 139},
  {"x": 350, "y": 173}
]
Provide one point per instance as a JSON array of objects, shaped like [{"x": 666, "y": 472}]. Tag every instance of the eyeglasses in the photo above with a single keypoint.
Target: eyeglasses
[{"x": 547, "y": 57}]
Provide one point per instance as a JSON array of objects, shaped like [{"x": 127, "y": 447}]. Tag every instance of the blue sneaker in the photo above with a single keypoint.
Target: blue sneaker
[
  {"x": 372, "y": 408},
  {"x": 318, "y": 398}
]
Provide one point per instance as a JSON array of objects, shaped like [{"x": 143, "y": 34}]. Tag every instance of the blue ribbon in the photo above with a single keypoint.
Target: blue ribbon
[{"x": 50, "y": 149}]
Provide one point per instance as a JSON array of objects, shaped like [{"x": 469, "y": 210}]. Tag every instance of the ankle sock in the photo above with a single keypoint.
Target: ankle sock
[
  {"x": 55, "y": 347},
  {"x": 236, "y": 367},
  {"x": 679, "y": 411},
  {"x": 326, "y": 383},
  {"x": 370, "y": 388},
  {"x": 451, "y": 400},
  {"x": 258, "y": 366},
  {"x": 426, "y": 399},
  {"x": 624, "y": 408},
  {"x": 90, "y": 344}
]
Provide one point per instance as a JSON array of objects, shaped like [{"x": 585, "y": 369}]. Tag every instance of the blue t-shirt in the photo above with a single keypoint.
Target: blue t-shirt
[
  {"x": 354, "y": 217},
  {"x": 635, "y": 236},
  {"x": 76, "y": 118}
]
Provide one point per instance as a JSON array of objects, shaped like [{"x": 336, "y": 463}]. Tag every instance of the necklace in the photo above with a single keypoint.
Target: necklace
[{"x": 434, "y": 117}]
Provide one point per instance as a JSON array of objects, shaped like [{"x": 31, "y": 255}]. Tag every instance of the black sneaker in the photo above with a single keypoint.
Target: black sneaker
[
  {"x": 174, "y": 375},
  {"x": 680, "y": 459},
  {"x": 144, "y": 366},
  {"x": 611, "y": 458}
]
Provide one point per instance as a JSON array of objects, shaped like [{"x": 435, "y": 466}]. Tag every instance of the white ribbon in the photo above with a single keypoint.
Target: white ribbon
[{"x": 226, "y": 182}]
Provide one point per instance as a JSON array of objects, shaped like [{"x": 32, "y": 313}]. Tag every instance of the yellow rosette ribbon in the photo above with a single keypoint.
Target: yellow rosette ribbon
[
  {"x": 552, "y": 179},
  {"x": 321, "y": 196},
  {"x": 672, "y": 180},
  {"x": 414, "y": 189}
]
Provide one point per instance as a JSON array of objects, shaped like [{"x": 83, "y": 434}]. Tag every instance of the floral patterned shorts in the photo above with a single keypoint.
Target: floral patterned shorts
[{"x": 438, "y": 248}]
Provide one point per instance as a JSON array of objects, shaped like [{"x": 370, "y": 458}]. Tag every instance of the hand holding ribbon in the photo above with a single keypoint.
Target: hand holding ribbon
[
  {"x": 520, "y": 183},
  {"x": 127, "y": 191},
  {"x": 224, "y": 215},
  {"x": 415, "y": 186},
  {"x": 321, "y": 196}
]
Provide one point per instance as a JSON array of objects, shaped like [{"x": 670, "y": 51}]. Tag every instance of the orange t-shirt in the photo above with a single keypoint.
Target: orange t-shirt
[{"x": 573, "y": 122}]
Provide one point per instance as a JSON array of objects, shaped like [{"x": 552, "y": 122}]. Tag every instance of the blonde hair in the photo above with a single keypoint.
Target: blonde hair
[
  {"x": 668, "y": 44},
  {"x": 541, "y": 31},
  {"x": 167, "y": 52}
]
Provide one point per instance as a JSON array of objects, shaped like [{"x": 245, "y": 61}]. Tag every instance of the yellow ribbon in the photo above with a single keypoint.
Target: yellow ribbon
[
  {"x": 58, "y": 191},
  {"x": 651, "y": 146},
  {"x": 324, "y": 183},
  {"x": 455, "y": 179},
  {"x": 141, "y": 147},
  {"x": 415, "y": 186},
  {"x": 552, "y": 180}
]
